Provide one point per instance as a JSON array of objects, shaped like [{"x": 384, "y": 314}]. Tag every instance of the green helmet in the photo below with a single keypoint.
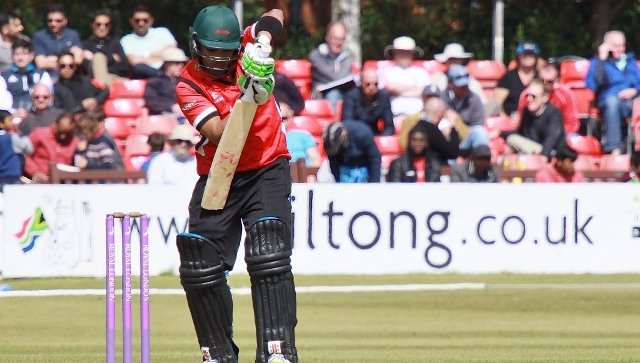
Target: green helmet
[{"x": 216, "y": 27}]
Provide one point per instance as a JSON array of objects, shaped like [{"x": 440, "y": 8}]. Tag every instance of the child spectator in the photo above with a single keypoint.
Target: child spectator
[
  {"x": 160, "y": 91},
  {"x": 13, "y": 147},
  {"x": 95, "y": 150},
  {"x": 418, "y": 164},
  {"x": 156, "y": 143},
  {"x": 561, "y": 169}
]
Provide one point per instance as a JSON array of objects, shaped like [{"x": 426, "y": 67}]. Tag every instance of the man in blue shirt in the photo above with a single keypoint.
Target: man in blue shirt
[
  {"x": 615, "y": 78},
  {"x": 55, "y": 39}
]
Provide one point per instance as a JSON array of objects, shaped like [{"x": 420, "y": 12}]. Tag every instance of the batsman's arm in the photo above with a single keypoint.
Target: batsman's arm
[{"x": 270, "y": 24}]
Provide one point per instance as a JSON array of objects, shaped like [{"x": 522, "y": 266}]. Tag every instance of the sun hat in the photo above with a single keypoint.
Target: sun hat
[
  {"x": 404, "y": 43},
  {"x": 452, "y": 50},
  {"x": 174, "y": 55},
  {"x": 183, "y": 132}
]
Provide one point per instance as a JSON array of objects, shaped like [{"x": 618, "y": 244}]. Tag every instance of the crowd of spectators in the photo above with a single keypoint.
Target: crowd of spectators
[{"x": 53, "y": 85}]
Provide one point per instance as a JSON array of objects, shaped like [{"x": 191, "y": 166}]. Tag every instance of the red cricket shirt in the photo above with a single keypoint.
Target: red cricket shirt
[{"x": 266, "y": 140}]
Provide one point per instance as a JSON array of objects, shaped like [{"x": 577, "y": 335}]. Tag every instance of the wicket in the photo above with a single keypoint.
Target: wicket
[{"x": 126, "y": 287}]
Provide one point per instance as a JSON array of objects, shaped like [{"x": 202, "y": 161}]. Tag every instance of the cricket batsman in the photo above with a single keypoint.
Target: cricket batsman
[{"x": 227, "y": 64}]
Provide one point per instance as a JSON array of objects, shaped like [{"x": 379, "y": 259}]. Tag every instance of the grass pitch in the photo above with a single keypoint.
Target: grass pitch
[{"x": 516, "y": 318}]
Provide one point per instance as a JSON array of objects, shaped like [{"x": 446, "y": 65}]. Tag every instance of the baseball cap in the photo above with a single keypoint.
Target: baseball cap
[
  {"x": 458, "y": 75},
  {"x": 481, "y": 151},
  {"x": 527, "y": 46},
  {"x": 217, "y": 27},
  {"x": 431, "y": 90}
]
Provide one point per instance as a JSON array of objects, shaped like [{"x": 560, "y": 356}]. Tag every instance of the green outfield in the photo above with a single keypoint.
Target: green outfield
[{"x": 513, "y": 318}]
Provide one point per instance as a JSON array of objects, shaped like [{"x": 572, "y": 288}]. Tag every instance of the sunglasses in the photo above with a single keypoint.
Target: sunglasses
[
  {"x": 67, "y": 65},
  {"x": 41, "y": 97},
  {"x": 141, "y": 20},
  {"x": 369, "y": 84},
  {"x": 100, "y": 25},
  {"x": 178, "y": 142},
  {"x": 532, "y": 96},
  {"x": 52, "y": 20}
]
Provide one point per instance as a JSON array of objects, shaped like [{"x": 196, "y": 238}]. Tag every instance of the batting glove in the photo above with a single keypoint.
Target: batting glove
[
  {"x": 254, "y": 90},
  {"x": 255, "y": 61}
]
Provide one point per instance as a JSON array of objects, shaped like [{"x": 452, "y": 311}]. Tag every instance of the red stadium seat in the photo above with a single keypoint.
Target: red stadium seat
[
  {"x": 584, "y": 145},
  {"x": 587, "y": 163},
  {"x": 320, "y": 109},
  {"x": 124, "y": 107},
  {"x": 572, "y": 74},
  {"x": 388, "y": 144},
  {"x": 299, "y": 70},
  {"x": 432, "y": 66},
  {"x": 498, "y": 123},
  {"x": 156, "y": 123},
  {"x": 614, "y": 162},
  {"x": 132, "y": 88},
  {"x": 136, "y": 152},
  {"x": 486, "y": 72},
  {"x": 308, "y": 123},
  {"x": 120, "y": 127},
  {"x": 377, "y": 64}
]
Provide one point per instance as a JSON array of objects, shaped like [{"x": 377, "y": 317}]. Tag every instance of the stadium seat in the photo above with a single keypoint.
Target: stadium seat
[
  {"x": 308, "y": 123},
  {"x": 498, "y": 123},
  {"x": 320, "y": 109},
  {"x": 486, "y": 72},
  {"x": 156, "y": 123},
  {"x": 120, "y": 127},
  {"x": 131, "y": 88},
  {"x": 587, "y": 163},
  {"x": 388, "y": 144},
  {"x": 432, "y": 66},
  {"x": 299, "y": 70},
  {"x": 614, "y": 162},
  {"x": 572, "y": 75},
  {"x": 376, "y": 64},
  {"x": 124, "y": 107},
  {"x": 584, "y": 145},
  {"x": 136, "y": 152}
]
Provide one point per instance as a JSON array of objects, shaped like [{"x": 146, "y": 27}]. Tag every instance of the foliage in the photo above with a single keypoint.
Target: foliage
[{"x": 561, "y": 27}]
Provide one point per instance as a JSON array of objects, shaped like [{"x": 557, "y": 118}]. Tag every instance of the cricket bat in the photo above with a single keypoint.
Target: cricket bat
[{"x": 227, "y": 155}]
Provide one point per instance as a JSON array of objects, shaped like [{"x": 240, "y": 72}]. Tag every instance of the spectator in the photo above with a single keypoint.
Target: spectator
[
  {"x": 454, "y": 53},
  {"x": 477, "y": 169},
  {"x": 75, "y": 92},
  {"x": 95, "y": 149},
  {"x": 331, "y": 64},
  {"x": 55, "y": 39},
  {"x": 156, "y": 143},
  {"x": 615, "y": 78},
  {"x": 402, "y": 80},
  {"x": 160, "y": 91},
  {"x": 560, "y": 96},
  {"x": 561, "y": 169},
  {"x": 17, "y": 82},
  {"x": 301, "y": 144},
  {"x": 468, "y": 106},
  {"x": 353, "y": 154},
  {"x": 10, "y": 29},
  {"x": 104, "y": 58},
  {"x": 13, "y": 148},
  {"x": 370, "y": 105},
  {"x": 442, "y": 136},
  {"x": 176, "y": 166},
  {"x": 541, "y": 130},
  {"x": 42, "y": 114},
  {"x": 287, "y": 95},
  {"x": 511, "y": 85},
  {"x": 145, "y": 45},
  {"x": 56, "y": 144},
  {"x": 418, "y": 164}
]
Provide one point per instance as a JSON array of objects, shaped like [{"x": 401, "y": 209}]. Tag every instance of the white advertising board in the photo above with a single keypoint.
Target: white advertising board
[{"x": 349, "y": 229}]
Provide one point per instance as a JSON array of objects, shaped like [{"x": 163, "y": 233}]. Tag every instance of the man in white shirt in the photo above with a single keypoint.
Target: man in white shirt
[
  {"x": 176, "y": 166},
  {"x": 145, "y": 44}
]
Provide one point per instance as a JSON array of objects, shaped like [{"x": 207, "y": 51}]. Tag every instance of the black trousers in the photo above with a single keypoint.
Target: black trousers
[{"x": 253, "y": 195}]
